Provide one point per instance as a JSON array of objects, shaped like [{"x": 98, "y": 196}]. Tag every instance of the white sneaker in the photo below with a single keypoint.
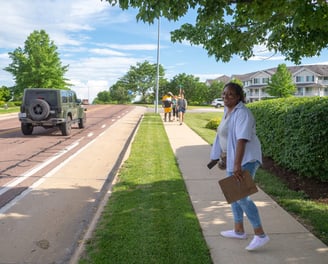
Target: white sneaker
[
  {"x": 257, "y": 242},
  {"x": 233, "y": 234}
]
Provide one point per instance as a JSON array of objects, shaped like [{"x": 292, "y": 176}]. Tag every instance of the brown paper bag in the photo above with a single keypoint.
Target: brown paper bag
[{"x": 234, "y": 191}]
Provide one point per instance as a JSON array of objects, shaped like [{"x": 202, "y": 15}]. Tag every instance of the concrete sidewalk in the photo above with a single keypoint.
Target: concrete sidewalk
[{"x": 290, "y": 241}]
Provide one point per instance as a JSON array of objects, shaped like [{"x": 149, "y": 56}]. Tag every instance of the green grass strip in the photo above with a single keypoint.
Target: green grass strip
[
  {"x": 9, "y": 110},
  {"x": 149, "y": 217},
  {"x": 311, "y": 214}
]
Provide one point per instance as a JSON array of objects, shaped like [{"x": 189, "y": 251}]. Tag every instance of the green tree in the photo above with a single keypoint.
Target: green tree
[
  {"x": 141, "y": 80},
  {"x": 120, "y": 93},
  {"x": 295, "y": 28},
  {"x": 281, "y": 83},
  {"x": 237, "y": 81},
  {"x": 214, "y": 90},
  {"x": 103, "y": 97},
  {"x": 5, "y": 94},
  {"x": 37, "y": 65},
  {"x": 194, "y": 90}
]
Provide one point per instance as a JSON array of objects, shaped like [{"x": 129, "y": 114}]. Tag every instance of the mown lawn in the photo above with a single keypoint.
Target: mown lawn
[{"x": 149, "y": 217}]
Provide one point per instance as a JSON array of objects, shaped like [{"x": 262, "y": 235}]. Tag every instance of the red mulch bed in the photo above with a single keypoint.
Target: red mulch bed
[{"x": 317, "y": 191}]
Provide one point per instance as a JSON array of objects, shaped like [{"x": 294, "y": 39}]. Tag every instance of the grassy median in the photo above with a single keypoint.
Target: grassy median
[{"x": 149, "y": 217}]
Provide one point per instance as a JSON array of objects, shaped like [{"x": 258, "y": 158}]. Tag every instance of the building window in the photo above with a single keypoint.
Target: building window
[
  {"x": 299, "y": 79},
  {"x": 265, "y": 80},
  {"x": 299, "y": 91},
  {"x": 257, "y": 80},
  {"x": 310, "y": 78}
]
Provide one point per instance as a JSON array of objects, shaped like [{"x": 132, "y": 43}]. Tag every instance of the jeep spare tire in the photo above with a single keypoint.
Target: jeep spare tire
[{"x": 39, "y": 109}]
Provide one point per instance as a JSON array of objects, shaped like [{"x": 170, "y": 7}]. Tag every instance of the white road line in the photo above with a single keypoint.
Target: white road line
[
  {"x": 41, "y": 180},
  {"x": 37, "y": 168},
  {"x": 41, "y": 166}
]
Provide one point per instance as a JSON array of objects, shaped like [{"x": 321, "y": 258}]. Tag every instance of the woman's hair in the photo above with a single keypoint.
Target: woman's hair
[{"x": 239, "y": 90}]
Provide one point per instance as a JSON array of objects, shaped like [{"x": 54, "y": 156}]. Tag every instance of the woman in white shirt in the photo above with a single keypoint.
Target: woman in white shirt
[{"x": 236, "y": 140}]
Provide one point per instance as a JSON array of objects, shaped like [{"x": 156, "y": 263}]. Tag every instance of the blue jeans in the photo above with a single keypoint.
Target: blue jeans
[{"x": 246, "y": 204}]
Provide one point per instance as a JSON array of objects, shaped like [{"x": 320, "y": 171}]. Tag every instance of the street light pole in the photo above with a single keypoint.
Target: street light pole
[{"x": 157, "y": 79}]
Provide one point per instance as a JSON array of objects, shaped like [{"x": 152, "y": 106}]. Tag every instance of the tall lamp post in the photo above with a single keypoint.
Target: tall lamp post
[{"x": 157, "y": 77}]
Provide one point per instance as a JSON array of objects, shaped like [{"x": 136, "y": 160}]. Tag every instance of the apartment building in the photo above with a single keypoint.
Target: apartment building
[{"x": 310, "y": 80}]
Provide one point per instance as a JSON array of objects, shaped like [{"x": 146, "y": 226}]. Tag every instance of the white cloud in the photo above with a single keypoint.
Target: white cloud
[
  {"x": 59, "y": 18},
  {"x": 318, "y": 63},
  {"x": 262, "y": 53},
  {"x": 98, "y": 73},
  {"x": 90, "y": 89},
  {"x": 107, "y": 52},
  {"x": 204, "y": 77},
  {"x": 133, "y": 46},
  {"x": 68, "y": 24},
  {"x": 271, "y": 57}
]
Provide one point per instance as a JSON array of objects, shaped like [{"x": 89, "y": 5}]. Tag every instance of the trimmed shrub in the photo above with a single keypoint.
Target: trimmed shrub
[
  {"x": 294, "y": 133},
  {"x": 214, "y": 123}
]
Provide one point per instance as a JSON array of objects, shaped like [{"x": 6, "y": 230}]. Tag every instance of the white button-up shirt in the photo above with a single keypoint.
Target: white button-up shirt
[{"x": 241, "y": 126}]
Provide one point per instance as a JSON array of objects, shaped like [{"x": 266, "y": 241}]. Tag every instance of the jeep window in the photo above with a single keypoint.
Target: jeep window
[
  {"x": 64, "y": 96},
  {"x": 74, "y": 97},
  {"x": 50, "y": 97},
  {"x": 70, "y": 96}
]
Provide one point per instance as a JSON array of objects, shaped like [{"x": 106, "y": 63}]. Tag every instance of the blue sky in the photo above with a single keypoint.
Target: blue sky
[{"x": 101, "y": 42}]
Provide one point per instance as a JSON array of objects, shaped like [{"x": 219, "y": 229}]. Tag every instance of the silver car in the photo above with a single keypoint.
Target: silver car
[{"x": 217, "y": 102}]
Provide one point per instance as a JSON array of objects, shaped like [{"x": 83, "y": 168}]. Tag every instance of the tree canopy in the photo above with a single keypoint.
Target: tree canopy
[
  {"x": 139, "y": 84},
  {"x": 141, "y": 80},
  {"x": 294, "y": 28},
  {"x": 37, "y": 65}
]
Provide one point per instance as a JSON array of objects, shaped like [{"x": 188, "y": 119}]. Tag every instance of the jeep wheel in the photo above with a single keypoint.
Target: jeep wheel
[
  {"x": 39, "y": 109},
  {"x": 27, "y": 129},
  {"x": 81, "y": 123},
  {"x": 66, "y": 127}
]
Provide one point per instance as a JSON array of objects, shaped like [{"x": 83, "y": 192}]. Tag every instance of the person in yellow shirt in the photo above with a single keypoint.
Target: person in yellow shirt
[{"x": 167, "y": 105}]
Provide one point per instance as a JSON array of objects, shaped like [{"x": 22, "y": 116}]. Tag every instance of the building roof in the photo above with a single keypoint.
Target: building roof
[
  {"x": 222, "y": 78},
  {"x": 320, "y": 70}
]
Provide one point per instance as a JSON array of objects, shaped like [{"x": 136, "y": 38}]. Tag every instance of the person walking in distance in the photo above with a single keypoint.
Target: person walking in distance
[
  {"x": 236, "y": 140},
  {"x": 167, "y": 105},
  {"x": 174, "y": 107},
  {"x": 182, "y": 107}
]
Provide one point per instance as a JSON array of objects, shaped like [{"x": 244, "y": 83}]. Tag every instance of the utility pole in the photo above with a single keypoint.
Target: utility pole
[{"x": 157, "y": 79}]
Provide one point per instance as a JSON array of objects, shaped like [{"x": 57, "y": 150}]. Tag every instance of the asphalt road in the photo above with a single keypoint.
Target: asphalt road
[{"x": 51, "y": 186}]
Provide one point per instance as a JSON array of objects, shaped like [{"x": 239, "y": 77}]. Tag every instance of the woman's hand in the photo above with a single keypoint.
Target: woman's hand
[
  {"x": 240, "y": 150},
  {"x": 238, "y": 173}
]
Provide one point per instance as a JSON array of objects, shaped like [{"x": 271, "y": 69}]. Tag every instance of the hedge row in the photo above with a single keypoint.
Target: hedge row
[
  {"x": 294, "y": 133},
  {"x": 10, "y": 104}
]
